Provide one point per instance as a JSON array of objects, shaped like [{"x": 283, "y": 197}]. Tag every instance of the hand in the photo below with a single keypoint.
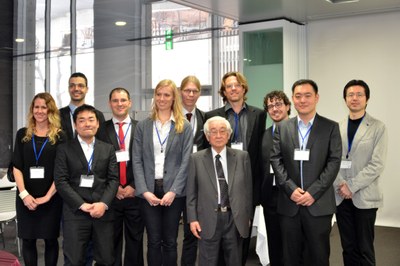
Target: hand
[
  {"x": 297, "y": 194},
  {"x": 168, "y": 199},
  {"x": 86, "y": 207},
  {"x": 129, "y": 192},
  {"x": 98, "y": 210},
  {"x": 344, "y": 191},
  {"x": 195, "y": 229},
  {"x": 151, "y": 199},
  {"x": 306, "y": 200},
  {"x": 42, "y": 200},
  {"x": 30, "y": 203},
  {"x": 120, "y": 193}
]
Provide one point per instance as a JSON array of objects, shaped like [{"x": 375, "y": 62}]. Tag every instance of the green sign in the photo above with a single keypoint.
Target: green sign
[{"x": 169, "y": 40}]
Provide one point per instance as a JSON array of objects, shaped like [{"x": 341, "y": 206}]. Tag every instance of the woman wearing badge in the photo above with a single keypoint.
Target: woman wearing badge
[
  {"x": 38, "y": 205},
  {"x": 160, "y": 157}
]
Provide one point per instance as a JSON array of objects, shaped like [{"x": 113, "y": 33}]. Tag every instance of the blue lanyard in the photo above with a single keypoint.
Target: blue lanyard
[
  {"x": 236, "y": 131},
  {"x": 305, "y": 136},
  {"x": 90, "y": 163},
  {"x": 37, "y": 156},
  {"x": 126, "y": 133},
  {"x": 350, "y": 142},
  {"x": 159, "y": 138}
]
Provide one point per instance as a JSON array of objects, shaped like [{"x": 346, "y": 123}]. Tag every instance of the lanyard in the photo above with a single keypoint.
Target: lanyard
[
  {"x": 37, "y": 156},
  {"x": 350, "y": 142},
  {"x": 90, "y": 163},
  {"x": 159, "y": 138},
  {"x": 305, "y": 136},
  {"x": 126, "y": 133}
]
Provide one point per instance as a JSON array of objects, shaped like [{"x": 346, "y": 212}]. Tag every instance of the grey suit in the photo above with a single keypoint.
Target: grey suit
[
  {"x": 202, "y": 204},
  {"x": 176, "y": 161},
  {"x": 319, "y": 172}
]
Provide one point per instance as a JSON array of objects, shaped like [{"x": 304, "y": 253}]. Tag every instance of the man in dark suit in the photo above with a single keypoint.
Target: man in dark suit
[
  {"x": 77, "y": 88},
  {"x": 86, "y": 178},
  {"x": 306, "y": 158},
  {"x": 248, "y": 124},
  {"x": 219, "y": 198},
  {"x": 190, "y": 90},
  {"x": 128, "y": 223},
  {"x": 277, "y": 105}
]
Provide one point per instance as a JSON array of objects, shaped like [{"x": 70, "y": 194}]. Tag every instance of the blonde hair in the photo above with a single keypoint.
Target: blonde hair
[
  {"x": 53, "y": 117},
  {"x": 189, "y": 79},
  {"x": 176, "y": 105}
]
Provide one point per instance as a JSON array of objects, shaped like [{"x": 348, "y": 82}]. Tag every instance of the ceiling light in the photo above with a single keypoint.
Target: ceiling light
[
  {"x": 342, "y": 1},
  {"x": 19, "y": 40},
  {"x": 120, "y": 23}
]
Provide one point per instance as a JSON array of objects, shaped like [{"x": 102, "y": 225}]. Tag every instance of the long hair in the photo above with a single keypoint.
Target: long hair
[
  {"x": 176, "y": 105},
  {"x": 240, "y": 78},
  {"x": 53, "y": 117}
]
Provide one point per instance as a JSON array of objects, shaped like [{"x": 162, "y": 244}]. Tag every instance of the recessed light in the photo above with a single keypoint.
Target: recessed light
[
  {"x": 19, "y": 40},
  {"x": 120, "y": 23},
  {"x": 342, "y": 1}
]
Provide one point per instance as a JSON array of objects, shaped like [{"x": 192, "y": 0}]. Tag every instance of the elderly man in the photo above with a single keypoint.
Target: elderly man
[{"x": 219, "y": 198}]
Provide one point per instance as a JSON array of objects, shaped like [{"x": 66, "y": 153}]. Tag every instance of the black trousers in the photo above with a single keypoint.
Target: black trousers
[{"x": 357, "y": 233}]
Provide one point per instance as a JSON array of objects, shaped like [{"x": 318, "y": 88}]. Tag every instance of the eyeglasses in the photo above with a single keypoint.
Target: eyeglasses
[
  {"x": 358, "y": 95},
  {"x": 189, "y": 91},
  {"x": 276, "y": 105},
  {"x": 215, "y": 132},
  {"x": 231, "y": 86}
]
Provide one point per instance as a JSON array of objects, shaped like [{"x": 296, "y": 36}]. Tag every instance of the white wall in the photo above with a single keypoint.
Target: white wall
[{"x": 362, "y": 47}]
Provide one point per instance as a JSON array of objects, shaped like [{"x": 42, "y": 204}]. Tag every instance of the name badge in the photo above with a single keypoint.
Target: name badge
[
  {"x": 301, "y": 155},
  {"x": 86, "y": 181},
  {"x": 37, "y": 172},
  {"x": 194, "y": 148},
  {"x": 237, "y": 145},
  {"x": 122, "y": 156},
  {"x": 345, "y": 164}
]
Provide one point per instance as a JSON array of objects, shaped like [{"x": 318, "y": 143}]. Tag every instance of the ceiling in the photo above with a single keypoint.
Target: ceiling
[{"x": 301, "y": 11}]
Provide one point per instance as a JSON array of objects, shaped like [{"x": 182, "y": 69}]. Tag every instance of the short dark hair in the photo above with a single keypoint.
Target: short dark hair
[
  {"x": 83, "y": 108},
  {"x": 119, "y": 89},
  {"x": 305, "y": 81},
  {"x": 79, "y": 75},
  {"x": 356, "y": 82},
  {"x": 280, "y": 95}
]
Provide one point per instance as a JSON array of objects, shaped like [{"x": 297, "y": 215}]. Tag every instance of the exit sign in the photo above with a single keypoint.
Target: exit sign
[{"x": 169, "y": 40}]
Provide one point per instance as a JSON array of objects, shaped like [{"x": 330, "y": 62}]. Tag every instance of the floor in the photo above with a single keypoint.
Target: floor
[{"x": 387, "y": 245}]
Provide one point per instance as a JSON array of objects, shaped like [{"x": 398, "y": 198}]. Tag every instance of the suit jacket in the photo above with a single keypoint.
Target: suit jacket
[
  {"x": 319, "y": 172},
  {"x": 255, "y": 129},
  {"x": 199, "y": 136},
  {"x": 268, "y": 177},
  {"x": 65, "y": 117},
  {"x": 70, "y": 164},
  {"x": 367, "y": 155},
  {"x": 177, "y": 152},
  {"x": 202, "y": 191},
  {"x": 108, "y": 134}
]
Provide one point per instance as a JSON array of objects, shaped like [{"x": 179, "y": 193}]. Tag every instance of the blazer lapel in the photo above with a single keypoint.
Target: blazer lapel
[
  {"x": 251, "y": 120},
  {"x": 78, "y": 151},
  {"x": 295, "y": 135},
  {"x": 361, "y": 131},
  {"x": 171, "y": 137},
  {"x": 313, "y": 133},
  {"x": 112, "y": 134},
  {"x": 208, "y": 161},
  {"x": 231, "y": 165},
  {"x": 148, "y": 130}
]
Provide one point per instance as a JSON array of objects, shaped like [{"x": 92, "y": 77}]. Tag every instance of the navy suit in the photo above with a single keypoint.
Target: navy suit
[{"x": 128, "y": 222}]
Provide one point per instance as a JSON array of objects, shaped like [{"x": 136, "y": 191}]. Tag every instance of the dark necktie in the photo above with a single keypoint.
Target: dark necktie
[
  {"x": 122, "y": 165},
  {"x": 189, "y": 116},
  {"x": 223, "y": 186}
]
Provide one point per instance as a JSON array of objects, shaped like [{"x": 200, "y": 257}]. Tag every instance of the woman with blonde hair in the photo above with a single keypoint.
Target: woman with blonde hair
[
  {"x": 38, "y": 205},
  {"x": 161, "y": 149}
]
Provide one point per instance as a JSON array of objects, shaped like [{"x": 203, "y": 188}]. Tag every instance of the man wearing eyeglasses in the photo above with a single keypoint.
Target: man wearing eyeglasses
[
  {"x": 305, "y": 158},
  {"x": 190, "y": 92},
  {"x": 277, "y": 105},
  {"x": 218, "y": 196},
  {"x": 77, "y": 88},
  {"x": 248, "y": 125},
  {"x": 358, "y": 196}
]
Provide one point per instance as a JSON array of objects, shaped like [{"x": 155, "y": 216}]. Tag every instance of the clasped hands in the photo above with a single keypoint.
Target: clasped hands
[
  {"x": 301, "y": 197},
  {"x": 166, "y": 200},
  {"x": 344, "y": 191},
  {"x": 31, "y": 203},
  {"x": 96, "y": 210}
]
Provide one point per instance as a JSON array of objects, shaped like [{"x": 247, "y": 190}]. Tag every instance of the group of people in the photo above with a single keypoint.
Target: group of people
[{"x": 104, "y": 182}]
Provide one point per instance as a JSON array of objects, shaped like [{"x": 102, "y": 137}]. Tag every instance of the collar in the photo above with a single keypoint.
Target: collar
[
  {"x": 302, "y": 124},
  {"x": 228, "y": 106},
  {"x": 127, "y": 120},
  {"x": 81, "y": 141},
  {"x": 222, "y": 153}
]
